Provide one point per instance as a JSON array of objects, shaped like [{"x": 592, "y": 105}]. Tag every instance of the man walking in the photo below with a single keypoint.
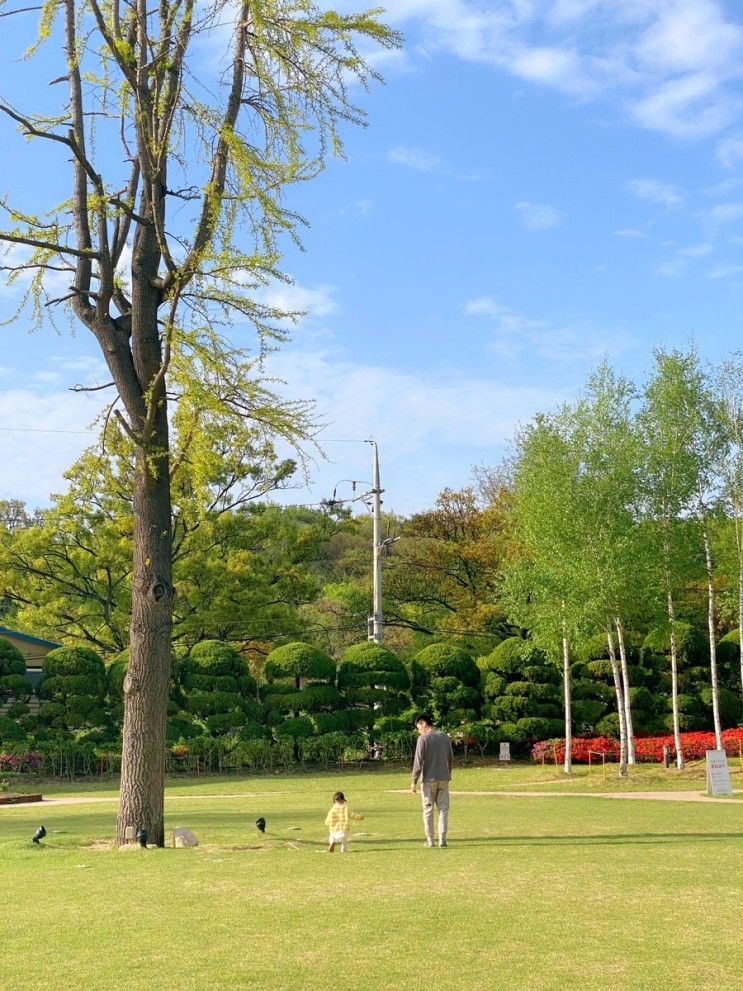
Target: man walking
[{"x": 432, "y": 764}]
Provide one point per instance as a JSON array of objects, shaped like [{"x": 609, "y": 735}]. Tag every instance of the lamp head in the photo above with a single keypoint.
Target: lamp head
[
  {"x": 39, "y": 835},
  {"x": 141, "y": 837},
  {"x": 261, "y": 824}
]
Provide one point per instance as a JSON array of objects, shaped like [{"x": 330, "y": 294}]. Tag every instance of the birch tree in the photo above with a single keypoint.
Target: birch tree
[
  {"x": 172, "y": 219},
  {"x": 730, "y": 393},
  {"x": 669, "y": 421}
]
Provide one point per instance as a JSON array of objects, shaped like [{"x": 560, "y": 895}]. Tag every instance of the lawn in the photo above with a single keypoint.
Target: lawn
[{"x": 555, "y": 893}]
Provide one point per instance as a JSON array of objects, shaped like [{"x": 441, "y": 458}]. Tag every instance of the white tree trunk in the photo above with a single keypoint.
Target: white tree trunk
[
  {"x": 627, "y": 699},
  {"x": 567, "y": 694},
  {"x": 674, "y": 682},
  {"x": 621, "y": 711},
  {"x": 712, "y": 641}
]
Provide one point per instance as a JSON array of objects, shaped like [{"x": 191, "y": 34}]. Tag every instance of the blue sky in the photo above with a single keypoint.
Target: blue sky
[{"x": 542, "y": 184}]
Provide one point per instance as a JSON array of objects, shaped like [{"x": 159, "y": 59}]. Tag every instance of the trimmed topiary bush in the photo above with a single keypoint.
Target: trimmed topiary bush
[
  {"x": 73, "y": 689},
  {"x": 13, "y": 683}
]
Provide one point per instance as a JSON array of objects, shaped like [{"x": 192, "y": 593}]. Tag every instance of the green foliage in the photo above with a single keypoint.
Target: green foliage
[
  {"x": 512, "y": 655},
  {"x": 10, "y": 730},
  {"x": 586, "y": 712},
  {"x": 372, "y": 664},
  {"x": 537, "y": 728},
  {"x": 295, "y": 728},
  {"x": 299, "y": 661},
  {"x": 691, "y": 645},
  {"x": 11, "y": 659},
  {"x": 729, "y": 703},
  {"x": 73, "y": 689}
]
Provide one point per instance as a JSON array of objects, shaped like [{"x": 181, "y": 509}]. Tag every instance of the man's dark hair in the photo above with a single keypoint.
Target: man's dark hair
[
  {"x": 423, "y": 717},
  {"x": 339, "y": 797}
]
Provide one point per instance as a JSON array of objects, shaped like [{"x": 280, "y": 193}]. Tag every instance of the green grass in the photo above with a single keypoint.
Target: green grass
[{"x": 540, "y": 894}]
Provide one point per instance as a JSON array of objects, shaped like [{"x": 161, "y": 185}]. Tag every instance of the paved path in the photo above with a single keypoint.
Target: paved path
[
  {"x": 663, "y": 796},
  {"x": 658, "y": 796}
]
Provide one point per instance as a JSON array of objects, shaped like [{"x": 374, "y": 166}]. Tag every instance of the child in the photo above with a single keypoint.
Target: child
[{"x": 338, "y": 821}]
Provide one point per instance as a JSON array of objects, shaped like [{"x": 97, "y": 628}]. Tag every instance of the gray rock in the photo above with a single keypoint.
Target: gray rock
[{"x": 183, "y": 837}]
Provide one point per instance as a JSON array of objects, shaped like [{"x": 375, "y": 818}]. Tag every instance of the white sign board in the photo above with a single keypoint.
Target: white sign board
[
  {"x": 718, "y": 775},
  {"x": 505, "y": 751}
]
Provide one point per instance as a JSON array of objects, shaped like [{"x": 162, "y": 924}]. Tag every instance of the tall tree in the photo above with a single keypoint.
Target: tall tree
[
  {"x": 673, "y": 422},
  {"x": 730, "y": 393},
  {"x": 151, "y": 286}
]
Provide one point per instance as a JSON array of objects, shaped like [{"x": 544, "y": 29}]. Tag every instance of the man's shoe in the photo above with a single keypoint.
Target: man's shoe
[
  {"x": 442, "y": 843},
  {"x": 429, "y": 844}
]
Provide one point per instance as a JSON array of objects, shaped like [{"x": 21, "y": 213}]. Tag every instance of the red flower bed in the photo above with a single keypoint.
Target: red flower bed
[{"x": 647, "y": 749}]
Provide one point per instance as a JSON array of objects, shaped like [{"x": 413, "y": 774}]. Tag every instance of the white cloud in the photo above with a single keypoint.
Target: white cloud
[
  {"x": 518, "y": 336},
  {"x": 679, "y": 262},
  {"x": 538, "y": 216},
  {"x": 672, "y": 65},
  {"x": 652, "y": 191},
  {"x": 725, "y": 271},
  {"x": 630, "y": 232},
  {"x": 293, "y": 298},
  {"x": 41, "y": 434},
  {"x": 414, "y": 158},
  {"x": 729, "y": 151},
  {"x": 431, "y": 425},
  {"x": 720, "y": 215}
]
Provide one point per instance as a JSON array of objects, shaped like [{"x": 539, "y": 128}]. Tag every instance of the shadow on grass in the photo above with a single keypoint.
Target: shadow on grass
[
  {"x": 402, "y": 843},
  {"x": 579, "y": 840}
]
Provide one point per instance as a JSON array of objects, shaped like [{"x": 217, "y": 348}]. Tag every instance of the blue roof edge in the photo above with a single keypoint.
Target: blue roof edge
[{"x": 28, "y": 638}]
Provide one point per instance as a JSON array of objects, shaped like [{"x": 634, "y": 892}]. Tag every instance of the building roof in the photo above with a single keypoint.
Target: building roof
[{"x": 4, "y": 631}]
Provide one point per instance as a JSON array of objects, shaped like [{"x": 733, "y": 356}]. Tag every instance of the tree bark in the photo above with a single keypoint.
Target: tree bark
[
  {"x": 621, "y": 711},
  {"x": 567, "y": 696},
  {"x": 627, "y": 700},
  {"x": 148, "y": 677},
  {"x": 674, "y": 680},
  {"x": 712, "y": 641}
]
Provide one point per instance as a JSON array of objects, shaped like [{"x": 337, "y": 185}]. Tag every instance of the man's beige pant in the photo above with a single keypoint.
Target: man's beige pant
[{"x": 435, "y": 793}]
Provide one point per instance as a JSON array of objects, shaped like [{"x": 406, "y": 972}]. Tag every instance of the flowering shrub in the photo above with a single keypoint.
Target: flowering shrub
[
  {"x": 647, "y": 749},
  {"x": 20, "y": 763}
]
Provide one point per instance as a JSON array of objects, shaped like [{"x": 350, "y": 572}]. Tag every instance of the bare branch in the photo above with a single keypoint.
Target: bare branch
[
  {"x": 91, "y": 388},
  {"x": 61, "y": 249}
]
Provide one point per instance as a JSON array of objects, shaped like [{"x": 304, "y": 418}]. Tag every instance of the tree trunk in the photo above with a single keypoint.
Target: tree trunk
[
  {"x": 712, "y": 641},
  {"x": 147, "y": 682},
  {"x": 627, "y": 699},
  {"x": 567, "y": 694},
  {"x": 739, "y": 535},
  {"x": 621, "y": 711},
  {"x": 674, "y": 682},
  {"x": 148, "y": 678}
]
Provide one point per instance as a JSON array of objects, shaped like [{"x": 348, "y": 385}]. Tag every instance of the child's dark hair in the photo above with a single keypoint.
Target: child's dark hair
[
  {"x": 423, "y": 717},
  {"x": 339, "y": 797}
]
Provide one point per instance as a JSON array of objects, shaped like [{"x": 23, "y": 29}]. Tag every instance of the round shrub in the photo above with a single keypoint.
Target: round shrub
[
  {"x": 587, "y": 712},
  {"x": 447, "y": 661},
  {"x": 299, "y": 661},
  {"x": 376, "y": 664},
  {"x": 13, "y": 682},
  {"x": 295, "y": 728},
  {"x": 217, "y": 658},
  {"x": 493, "y": 685},
  {"x": 600, "y": 669},
  {"x": 74, "y": 678},
  {"x": 11, "y": 731},
  {"x": 691, "y": 645},
  {"x": 513, "y": 654},
  {"x": 537, "y": 728},
  {"x": 728, "y": 703}
]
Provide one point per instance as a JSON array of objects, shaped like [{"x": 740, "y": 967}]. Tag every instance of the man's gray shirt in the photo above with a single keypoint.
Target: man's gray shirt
[{"x": 433, "y": 757}]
